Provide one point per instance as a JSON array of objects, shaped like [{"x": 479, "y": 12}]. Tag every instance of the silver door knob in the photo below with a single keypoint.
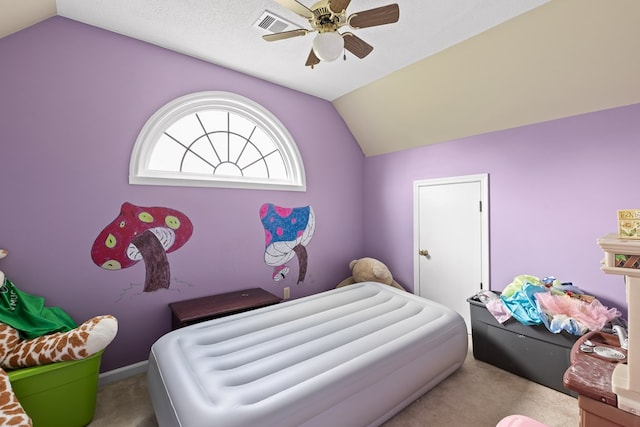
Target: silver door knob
[{"x": 424, "y": 252}]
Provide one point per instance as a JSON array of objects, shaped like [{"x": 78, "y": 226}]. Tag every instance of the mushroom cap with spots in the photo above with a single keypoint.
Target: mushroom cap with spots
[
  {"x": 284, "y": 230},
  {"x": 114, "y": 249}
]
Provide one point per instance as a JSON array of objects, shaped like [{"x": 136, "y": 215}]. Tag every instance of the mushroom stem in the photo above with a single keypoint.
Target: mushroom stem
[
  {"x": 155, "y": 261},
  {"x": 301, "y": 252}
]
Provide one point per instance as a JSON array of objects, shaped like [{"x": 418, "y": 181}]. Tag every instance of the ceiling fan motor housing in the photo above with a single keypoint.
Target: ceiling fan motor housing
[{"x": 326, "y": 20}]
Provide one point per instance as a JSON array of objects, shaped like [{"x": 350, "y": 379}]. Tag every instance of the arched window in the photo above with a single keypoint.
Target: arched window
[{"x": 216, "y": 139}]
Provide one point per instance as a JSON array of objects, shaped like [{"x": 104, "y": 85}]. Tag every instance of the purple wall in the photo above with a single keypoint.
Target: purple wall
[
  {"x": 73, "y": 99},
  {"x": 554, "y": 188}
]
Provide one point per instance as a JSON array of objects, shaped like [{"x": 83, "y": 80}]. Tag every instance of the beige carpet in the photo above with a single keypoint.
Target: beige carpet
[{"x": 477, "y": 395}]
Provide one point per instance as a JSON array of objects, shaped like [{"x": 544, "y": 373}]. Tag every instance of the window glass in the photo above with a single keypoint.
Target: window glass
[{"x": 216, "y": 139}]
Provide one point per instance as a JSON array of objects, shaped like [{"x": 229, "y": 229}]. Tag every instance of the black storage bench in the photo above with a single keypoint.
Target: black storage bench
[{"x": 532, "y": 352}]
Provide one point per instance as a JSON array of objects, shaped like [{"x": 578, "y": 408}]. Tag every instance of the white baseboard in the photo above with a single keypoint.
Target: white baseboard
[{"x": 122, "y": 373}]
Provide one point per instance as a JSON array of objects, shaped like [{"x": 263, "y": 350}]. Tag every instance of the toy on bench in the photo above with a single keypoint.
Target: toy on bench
[{"x": 16, "y": 351}]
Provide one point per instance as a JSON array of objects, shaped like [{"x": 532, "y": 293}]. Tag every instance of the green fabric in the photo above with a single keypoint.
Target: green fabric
[
  {"x": 27, "y": 313},
  {"x": 521, "y": 280},
  {"x": 518, "y": 283}
]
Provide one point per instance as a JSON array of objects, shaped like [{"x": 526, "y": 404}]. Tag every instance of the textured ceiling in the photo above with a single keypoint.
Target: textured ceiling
[
  {"x": 223, "y": 32},
  {"x": 447, "y": 69}
]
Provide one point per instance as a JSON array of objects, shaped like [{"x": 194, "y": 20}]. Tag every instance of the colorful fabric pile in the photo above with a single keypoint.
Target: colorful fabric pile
[{"x": 559, "y": 306}]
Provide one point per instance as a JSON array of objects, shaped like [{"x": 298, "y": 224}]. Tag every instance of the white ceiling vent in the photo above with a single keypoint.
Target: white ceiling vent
[{"x": 272, "y": 23}]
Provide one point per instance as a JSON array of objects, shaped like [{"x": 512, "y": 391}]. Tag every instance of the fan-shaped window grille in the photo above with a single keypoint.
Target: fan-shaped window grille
[{"x": 216, "y": 139}]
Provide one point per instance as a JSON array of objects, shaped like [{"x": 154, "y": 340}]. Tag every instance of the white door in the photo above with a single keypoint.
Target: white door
[{"x": 451, "y": 240}]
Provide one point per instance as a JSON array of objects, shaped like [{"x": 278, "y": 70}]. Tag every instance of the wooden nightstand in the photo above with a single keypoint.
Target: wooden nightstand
[{"x": 196, "y": 310}]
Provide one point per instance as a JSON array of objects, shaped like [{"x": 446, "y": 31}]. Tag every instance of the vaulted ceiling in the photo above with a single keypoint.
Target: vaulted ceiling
[{"x": 445, "y": 70}]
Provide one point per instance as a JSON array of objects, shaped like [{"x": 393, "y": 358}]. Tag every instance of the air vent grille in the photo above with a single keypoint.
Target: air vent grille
[{"x": 272, "y": 23}]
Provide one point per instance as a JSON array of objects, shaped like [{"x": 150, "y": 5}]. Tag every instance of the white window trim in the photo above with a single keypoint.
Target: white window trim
[{"x": 161, "y": 120}]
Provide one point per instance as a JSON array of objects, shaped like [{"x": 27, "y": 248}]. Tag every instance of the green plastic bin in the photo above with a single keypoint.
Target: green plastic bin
[{"x": 61, "y": 394}]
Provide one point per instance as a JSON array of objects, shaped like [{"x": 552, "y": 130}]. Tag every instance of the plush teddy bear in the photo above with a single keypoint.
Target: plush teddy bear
[
  {"x": 78, "y": 343},
  {"x": 369, "y": 270}
]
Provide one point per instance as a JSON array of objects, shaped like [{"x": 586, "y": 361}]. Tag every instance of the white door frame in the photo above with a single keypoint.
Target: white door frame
[{"x": 483, "y": 179}]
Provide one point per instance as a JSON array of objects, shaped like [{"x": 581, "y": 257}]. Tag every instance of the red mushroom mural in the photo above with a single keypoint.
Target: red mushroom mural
[
  {"x": 142, "y": 233},
  {"x": 287, "y": 231}
]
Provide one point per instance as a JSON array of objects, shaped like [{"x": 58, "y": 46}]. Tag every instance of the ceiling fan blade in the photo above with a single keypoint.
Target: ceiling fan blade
[
  {"x": 296, "y": 7},
  {"x": 372, "y": 17},
  {"x": 312, "y": 59},
  {"x": 337, "y": 6},
  {"x": 285, "y": 35},
  {"x": 356, "y": 45}
]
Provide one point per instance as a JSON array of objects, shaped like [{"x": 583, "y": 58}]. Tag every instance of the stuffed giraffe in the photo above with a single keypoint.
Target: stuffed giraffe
[
  {"x": 79, "y": 343},
  {"x": 11, "y": 412}
]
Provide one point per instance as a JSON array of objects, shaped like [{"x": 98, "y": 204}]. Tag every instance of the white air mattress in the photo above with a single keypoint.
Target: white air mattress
[{"x": 352, "y": 356}]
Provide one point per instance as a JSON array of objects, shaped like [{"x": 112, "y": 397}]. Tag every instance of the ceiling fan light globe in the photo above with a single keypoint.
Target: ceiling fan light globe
[{"x": 328, "y": 45}]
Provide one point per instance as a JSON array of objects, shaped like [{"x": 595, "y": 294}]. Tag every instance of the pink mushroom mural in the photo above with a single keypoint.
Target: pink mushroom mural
[
  {"x": 142, "y": 233},
  {"x": 287, "y": 231}
]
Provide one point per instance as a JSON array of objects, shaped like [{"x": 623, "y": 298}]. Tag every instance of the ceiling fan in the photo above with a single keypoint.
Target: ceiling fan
[{"x": 326, "y": 17}]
